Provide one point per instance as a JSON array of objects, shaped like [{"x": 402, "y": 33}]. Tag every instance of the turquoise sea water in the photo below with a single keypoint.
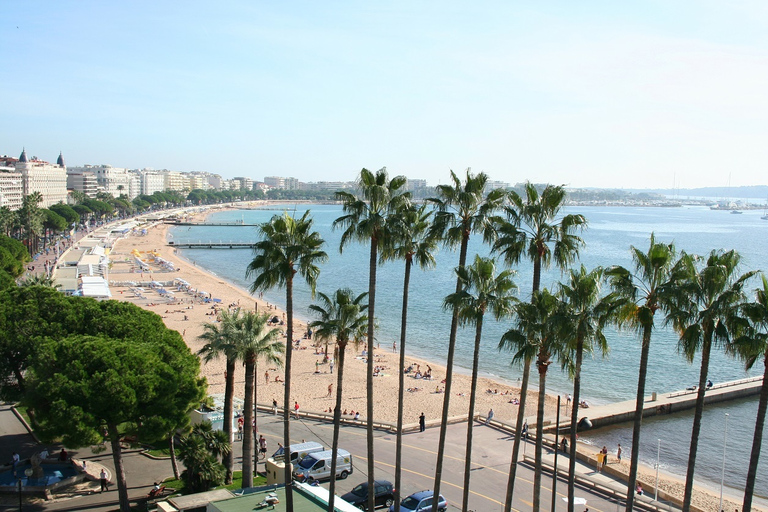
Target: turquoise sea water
[{"x": 610, "y": 234}]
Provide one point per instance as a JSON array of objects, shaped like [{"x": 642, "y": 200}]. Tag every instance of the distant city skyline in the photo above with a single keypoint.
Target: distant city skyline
[{"x": 645, "y": 94}]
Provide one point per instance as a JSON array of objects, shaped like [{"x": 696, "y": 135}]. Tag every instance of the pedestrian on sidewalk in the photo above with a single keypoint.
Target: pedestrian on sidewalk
[
  {"x": 490, "y": 417},
  {"x": 103, "y": 480},
  {"x": 422, "y": 423}
]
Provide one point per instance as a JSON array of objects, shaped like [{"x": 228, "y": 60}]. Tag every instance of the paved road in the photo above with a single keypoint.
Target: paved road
[{"x": 491, "y": 452}]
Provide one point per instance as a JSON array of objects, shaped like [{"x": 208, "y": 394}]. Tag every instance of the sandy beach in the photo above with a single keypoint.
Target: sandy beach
[{"x": 188, "y": 313}]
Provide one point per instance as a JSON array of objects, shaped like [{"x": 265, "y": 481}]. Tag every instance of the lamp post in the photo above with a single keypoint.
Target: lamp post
[
  {"x": 722, "y": 476},
  {"x": 658, "y": 457}
]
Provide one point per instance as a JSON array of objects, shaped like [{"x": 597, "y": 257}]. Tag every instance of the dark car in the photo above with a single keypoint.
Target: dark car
[{"x": 385, "y": 494}]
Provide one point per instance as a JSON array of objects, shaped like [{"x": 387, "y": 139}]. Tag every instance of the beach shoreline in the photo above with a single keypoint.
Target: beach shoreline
[{"x": 311, "y": 377}]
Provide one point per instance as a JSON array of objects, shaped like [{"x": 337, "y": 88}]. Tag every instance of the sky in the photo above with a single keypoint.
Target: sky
[{"x": 635, "y": 94}]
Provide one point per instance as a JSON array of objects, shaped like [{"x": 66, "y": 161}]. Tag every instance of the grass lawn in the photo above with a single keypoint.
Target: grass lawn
[{"x": 237, "y": 483}]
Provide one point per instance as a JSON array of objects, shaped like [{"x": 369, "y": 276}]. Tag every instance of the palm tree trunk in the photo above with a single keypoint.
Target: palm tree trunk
[
  {"x": 699, "y": 411},
  {"x": 471, "y": 419},
  {"x": 229, "y": 393},
  {"x": 117, "y": 458},
  {"x": 449, "y": 374},
  {"x": 369, "y": 367},
  {"x": 518, "y": 436},
  {"x": 248, "y": 427},
  {"x": 638, "y": 419},
  {"x": 543, "y": 365},
  {"x": 172, "y": 452},
  {"x": 574, "y": 422},
  {"x": 757, "y": 440},
  {"x": 401, "y": 385},
  {"x": 287, "y": 397},
  {"x": 336, "y": 423}
]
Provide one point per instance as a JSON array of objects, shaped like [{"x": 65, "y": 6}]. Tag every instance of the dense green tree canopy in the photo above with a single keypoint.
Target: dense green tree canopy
[
  {"x": 13, "y": 255},
  {"x": 66, "y": 211}
]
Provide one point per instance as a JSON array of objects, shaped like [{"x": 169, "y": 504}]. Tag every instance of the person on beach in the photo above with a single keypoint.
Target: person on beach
[
  {"x": 605, "y": 456},
  {"x": 266, "y": 377},
  {"x": 618, "y": 453},
  {"x": 422, "y": 423},
  {"x": 394, "y": 346},
  {"x": 330, "y": 391},
  {"x": 331, "y": 364}
]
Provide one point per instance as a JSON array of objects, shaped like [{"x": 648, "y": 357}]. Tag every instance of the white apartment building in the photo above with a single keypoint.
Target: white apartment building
[
  {"x": 243, "y": 183},
  {"x": 82, "y": 181},
  {"x": 11, "y": 184},
  {"x": 115, "y": 181},
  {"x": 40, "y": 176},
  {"x": 173, "y": 180},
  {"x": 215, "y": 181},
  {"x": 198, "y": 180},
  {"x": 151, "y": 182}
]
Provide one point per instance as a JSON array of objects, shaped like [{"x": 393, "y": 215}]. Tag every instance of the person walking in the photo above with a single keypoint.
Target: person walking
[
  {"x": 330, "y": 390},
  {"x": 103, "y": 480},
  {"x": 262, "y": 447},
  {"x": 296, "y": 409},
  {"x": 274, "y": 406},
  {"x": 490, "y": 417},
  {"x": 422, "y": 423}
]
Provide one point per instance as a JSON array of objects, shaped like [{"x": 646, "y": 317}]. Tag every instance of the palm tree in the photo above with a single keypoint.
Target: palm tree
[
  {"x": 483, "y": 290},
  {"x": 650, "y": 288},
  {"x": 537, "y": 329},
  {"x": 288, "y": 246},
  {"x": 366, "y": 218},
  {"x": 31, "y": 216},
  {"x": 411, "y": 240},
  {"x": 586, "y": 315},
  {"x": 751, "y": 348},
  {"x": 461, "y": 209},
  {"x": 255, "y": 341},
  {"x": 705, "y": 313},
  {"x": 221, "y": 341},
  {"x": 532, "y": 229},
  {"x": 342, "y": 317}
]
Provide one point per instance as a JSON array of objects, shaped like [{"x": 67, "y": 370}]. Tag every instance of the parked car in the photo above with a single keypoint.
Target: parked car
[
  {"x": 421, "y": 502},
  {"x": 385, "y": 494}
]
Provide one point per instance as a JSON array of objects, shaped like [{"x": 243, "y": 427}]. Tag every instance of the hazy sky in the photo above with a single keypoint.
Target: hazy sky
[{"x": 587, "y": 93}]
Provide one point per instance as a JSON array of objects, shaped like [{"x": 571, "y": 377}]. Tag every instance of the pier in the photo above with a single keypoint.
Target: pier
[
  {"x": 236, "y": 224},
  {"x": 667, "y": 403},
  {"x": 211, "y": 245}
]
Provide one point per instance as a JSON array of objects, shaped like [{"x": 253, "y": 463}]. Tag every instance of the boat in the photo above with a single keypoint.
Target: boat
[{"x": 736, "y": 212}]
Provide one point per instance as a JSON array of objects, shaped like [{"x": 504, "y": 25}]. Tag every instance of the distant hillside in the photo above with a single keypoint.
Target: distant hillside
[{"x": 755, "y": 191}]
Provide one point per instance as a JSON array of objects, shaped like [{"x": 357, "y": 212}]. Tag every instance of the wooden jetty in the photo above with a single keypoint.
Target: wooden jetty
[
  {"x": 667, "y": 403},
  {"x": 211, "y": 245}
]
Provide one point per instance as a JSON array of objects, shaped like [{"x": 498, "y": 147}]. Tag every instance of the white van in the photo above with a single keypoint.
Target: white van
[
  {"x": 317, "y": 466},
  {"x": 298, "y": 451}
]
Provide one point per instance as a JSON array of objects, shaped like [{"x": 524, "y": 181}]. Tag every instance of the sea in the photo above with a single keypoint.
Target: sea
[{"x": 727, "y": 429}]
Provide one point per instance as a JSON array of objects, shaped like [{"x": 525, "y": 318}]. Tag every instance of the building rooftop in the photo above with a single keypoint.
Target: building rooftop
[{"x": 305, "y": 499}]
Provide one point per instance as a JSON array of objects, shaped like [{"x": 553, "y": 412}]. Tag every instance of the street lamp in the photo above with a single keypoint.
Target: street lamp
[
  {"x": 722, "y": 477},
  {"x": 658, "y": 456}
]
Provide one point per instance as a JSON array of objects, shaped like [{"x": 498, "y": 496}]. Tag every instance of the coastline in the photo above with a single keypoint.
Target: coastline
[{"x": 309, "y": 388}]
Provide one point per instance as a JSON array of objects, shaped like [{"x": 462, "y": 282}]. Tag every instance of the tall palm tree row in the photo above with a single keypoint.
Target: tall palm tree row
[
  {"x": 287, "y": 246},
  {"x": 367, "y": 219},
  {"x": 483, "y": 290},
  {"x": 751, "y": 348},
  {"x": 410, "y": 241},
  {"x": 255, "y": 340},
  {"x": 586, "y": 313},
  {"x": 341, "y": 318},
  {"x": 460, "y": 210},
  {"x": 533, "y": 227},
  {"x": 537, "y": 332},
  {"x": 221, "y": 341},
  {"x": 707, "y": 313},
  {"x": 651, "y": 287}
]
